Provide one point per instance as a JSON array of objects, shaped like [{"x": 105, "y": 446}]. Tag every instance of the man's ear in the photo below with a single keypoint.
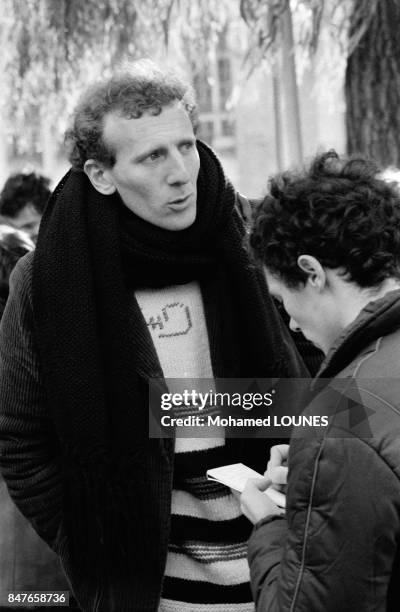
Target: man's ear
[
  {"x": 99, "y": 177},
  {"x": 315, "y": 272}
]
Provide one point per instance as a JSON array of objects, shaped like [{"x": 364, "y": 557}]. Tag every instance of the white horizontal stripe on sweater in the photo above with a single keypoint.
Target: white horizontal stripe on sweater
[
  {"x": 220, "y": 509},
  {"x": 225, "y": 573},
  {"x": 187, "y": 445}
]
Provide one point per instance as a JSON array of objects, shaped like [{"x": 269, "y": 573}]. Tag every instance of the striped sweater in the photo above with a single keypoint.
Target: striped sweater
[{"x": 206, "y": 566}]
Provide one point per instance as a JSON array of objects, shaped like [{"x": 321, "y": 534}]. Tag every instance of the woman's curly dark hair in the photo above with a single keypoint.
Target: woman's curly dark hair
[
  {"x": 142, "y": 88},
  {"x": 340, "y": 212}
]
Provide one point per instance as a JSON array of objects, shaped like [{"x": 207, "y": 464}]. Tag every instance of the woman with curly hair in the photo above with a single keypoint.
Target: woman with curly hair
[{"x": 329, "y": 239}]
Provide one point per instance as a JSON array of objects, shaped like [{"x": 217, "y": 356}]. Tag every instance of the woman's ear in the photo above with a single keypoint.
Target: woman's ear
[
  {"x": 99, "y": 177},
  {"x": 315, "y": 272}
]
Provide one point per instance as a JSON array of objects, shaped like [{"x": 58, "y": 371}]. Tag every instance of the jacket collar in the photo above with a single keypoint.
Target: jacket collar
[{"x": 378, "y": 318}]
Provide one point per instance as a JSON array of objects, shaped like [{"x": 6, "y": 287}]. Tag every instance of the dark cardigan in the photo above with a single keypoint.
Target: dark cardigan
[{"x": 31, "y": 465}]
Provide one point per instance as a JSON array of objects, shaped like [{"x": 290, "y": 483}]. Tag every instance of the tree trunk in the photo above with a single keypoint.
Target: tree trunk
[
  {"x": 373, "y": 88},
  {"x": 290, "y": 93}
]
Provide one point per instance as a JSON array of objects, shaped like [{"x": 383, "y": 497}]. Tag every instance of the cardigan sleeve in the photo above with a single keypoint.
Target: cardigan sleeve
[{"x": 28, "y": 442}]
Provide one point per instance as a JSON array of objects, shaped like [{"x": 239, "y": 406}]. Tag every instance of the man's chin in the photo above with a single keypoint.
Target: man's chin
[{"x": 182, "y": 220}]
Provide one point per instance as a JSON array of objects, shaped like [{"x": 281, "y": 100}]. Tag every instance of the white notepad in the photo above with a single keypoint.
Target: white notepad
[{"x": 235, "y": 477}]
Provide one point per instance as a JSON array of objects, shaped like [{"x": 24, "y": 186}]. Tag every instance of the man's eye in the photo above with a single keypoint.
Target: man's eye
[
  {"x": 187, "y": 146},
  {"x": 154, "y": 156}
]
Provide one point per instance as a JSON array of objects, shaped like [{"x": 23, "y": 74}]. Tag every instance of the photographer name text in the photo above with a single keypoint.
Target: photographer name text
[{"x": 230, "y": 421}]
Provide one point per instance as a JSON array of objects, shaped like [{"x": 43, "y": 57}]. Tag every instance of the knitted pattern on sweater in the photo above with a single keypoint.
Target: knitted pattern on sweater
[{"x": 203, "y": 571}]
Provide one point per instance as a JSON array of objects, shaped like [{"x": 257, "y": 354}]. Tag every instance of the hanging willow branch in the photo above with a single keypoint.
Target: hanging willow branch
[
  {"x": 52, "y": 48},
  {"x": 348, "y": 21}
]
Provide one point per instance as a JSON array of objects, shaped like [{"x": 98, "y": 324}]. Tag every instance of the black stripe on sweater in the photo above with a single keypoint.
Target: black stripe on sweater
[
  {"x": 207, "y": 553},
  {"x": 203, "y": 489},
  {"x": 199, "y": 592},
  {"x": 192, "y": 464},
  {"x": 185, "y": 528}
]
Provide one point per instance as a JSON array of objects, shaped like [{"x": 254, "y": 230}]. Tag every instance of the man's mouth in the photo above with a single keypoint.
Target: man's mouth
[{"x": 179, "y": 202}]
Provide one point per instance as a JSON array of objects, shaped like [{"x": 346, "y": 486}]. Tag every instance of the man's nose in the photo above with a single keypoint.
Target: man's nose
[
  {"x": 293, "y": 325},
  {"x": 177, "y": 169}
]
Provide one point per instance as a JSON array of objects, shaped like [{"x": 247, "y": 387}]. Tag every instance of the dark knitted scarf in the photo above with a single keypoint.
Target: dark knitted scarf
[{"x": 96, "y": 351}]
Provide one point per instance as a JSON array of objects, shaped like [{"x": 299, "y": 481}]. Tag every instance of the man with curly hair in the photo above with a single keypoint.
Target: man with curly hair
[
  {"x": 329, "y": 239},
  {"x": 22, "y": 201},
  {"x": 140, "y": 272}
]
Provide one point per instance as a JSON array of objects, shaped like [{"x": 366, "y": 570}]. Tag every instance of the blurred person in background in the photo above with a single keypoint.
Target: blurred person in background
[
  {"x": 13, "y": 245},
  {"x": 22, "y": 201}
]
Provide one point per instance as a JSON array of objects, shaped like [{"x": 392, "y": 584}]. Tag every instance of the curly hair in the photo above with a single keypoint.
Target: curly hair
[
  {"x": 23, "y": 188},
  {"x": 339, "y": 211},
  {"x": 144, "y": 88}
]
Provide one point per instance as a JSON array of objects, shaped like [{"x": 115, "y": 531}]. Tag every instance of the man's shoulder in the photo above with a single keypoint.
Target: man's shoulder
[
  {"x": 23, "y": 268},
  {"x": 380, "y": 359},
  {"x": 21, "y": 277},
  {"x": 17, "y": 314}
]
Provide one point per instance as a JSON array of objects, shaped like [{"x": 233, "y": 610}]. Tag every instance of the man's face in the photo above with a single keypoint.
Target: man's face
[
  {"x": 28, "y": 220},
  {"x": 156, "y": 166}
]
